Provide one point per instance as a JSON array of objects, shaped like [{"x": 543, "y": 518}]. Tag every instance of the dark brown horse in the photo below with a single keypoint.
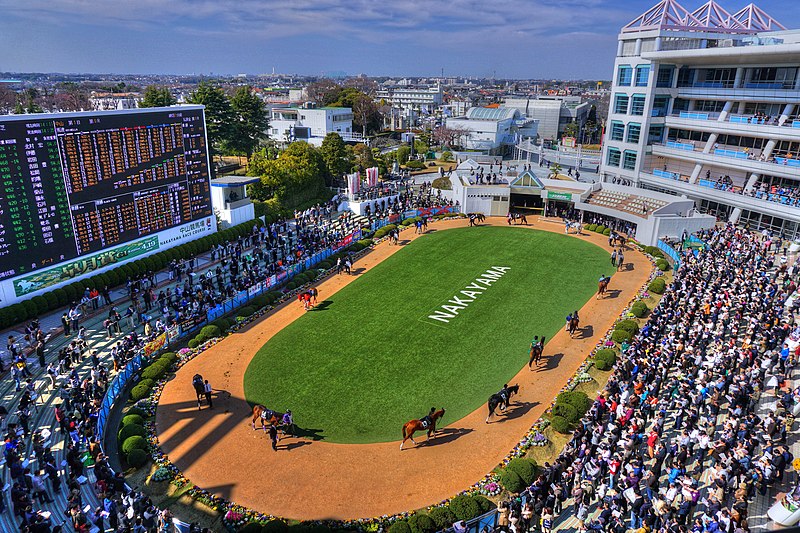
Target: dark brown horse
[
  {"x": 268, "y": 417},
  {"x": 602, "y": 286},
  {"x": 573, "y": 325},
  {"x": 199, "y": 388},
  {"x": 409, "y": 428},
  {"x": 536, "y": 353}
]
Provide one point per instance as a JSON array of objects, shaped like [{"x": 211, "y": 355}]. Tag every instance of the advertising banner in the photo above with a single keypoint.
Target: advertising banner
[
  {"x": 45, "y": 278},
  {"x": 156, "y": 344},
  {"x": 557, "y": 195}
]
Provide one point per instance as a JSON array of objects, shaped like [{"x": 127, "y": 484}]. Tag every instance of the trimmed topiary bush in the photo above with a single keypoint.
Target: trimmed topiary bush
[
  {"x": 193, "y": 344},
  {"x": 654, "y": 251},
  {"x": 421, "y": 523},
  {"x": 443, "y": 517},
  {"x": 511, "y": 481},
  {"x": 484, "y": 503},
  {"x": 605, "y": 359},
  {"x": 136, "y": 411},
  {"x": 222, "y": 323},
  {"x": 169, "y": 357},
  {"x": 599, "y": 228},
  {"x": 657, "y": 286},
  {"x": 607, "y": 232},
  {"x": 619, "y": 336},
  {"x": 639, "y": 309},
  {"x": 275, "y": 526},
  {"x": 132, "y": 419},
  {"x": 525, "y": 468},
  {"x": 591, "y": 227},
  {"x": 579, "y": 400},
  {"x": 662, "y": 265},
  {"x": 141, "y": 390},
  {"x": 560, "y": 425},
  {"x": 400, "y": 526},
  {"x": 631, "y": 326},
  {"x": 134, "y": 443},
  {"x": 245, "y": 312},
  {"x": 211, "y": 331},
  {"x": 464, "y": 507},
  {"x": 566, "y": 411},
  {"x": 131, "y": 430},
  {"x": 137, "y": 458},
  {"x": 155, "y": 371}
]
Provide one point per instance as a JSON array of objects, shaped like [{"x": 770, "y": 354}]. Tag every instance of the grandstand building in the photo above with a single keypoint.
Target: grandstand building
[{"x": 705, "y": 105}]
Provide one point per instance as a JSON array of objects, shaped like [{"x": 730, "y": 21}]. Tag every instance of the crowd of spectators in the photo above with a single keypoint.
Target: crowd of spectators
[{"x": 674, "y": 442}]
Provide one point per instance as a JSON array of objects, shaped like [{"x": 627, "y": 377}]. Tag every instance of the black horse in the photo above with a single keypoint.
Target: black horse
[
  {"x": 197, "y": 383},
  {"x": 502, "y": 399}
]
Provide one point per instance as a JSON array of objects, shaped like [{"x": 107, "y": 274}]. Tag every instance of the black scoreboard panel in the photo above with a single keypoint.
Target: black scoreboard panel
[{"x": 81, "y": 183}]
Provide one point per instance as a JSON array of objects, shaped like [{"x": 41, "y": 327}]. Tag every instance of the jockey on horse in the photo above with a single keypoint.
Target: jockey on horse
[
  {"x": 501, "y": 399},
  {"x": 602, "y": 285},
  {"x": 199, "y": 389},
  {"x": 537, "y": 348}
]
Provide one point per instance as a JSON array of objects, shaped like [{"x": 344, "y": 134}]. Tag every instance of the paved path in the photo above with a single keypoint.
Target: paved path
[{"x": 219, "y": 451}]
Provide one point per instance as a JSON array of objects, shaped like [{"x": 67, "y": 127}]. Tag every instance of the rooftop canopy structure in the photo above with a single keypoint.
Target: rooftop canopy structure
[{"x": 670, "y": 15}]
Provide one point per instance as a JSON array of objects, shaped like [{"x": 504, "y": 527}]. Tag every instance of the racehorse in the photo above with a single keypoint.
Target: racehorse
[
  {"x": 199, "y": 389},
  {"x": 536, "y": 353},
  {"x": 268, "y": 417},
  {"x": 522, "y": 218},
  {"x": 602, "y": 285},
  {"x": 502, "y": 398},
  {"x": 573, "y": 325},
  {"x": 409, "y": 428}
]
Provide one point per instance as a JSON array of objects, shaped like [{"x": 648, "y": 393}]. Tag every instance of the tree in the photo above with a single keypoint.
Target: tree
[
  {"x": 555, "y": 170},
  {"x": 323, "y": 92},
  {"x": 155, "y": 96},
  {"x": 363, "y": 157},
  {"x": 295, "y": 177},
  {"x": 362, "y": 83},
  {"x": 8, "y": 99},
  {"x": 365, "y": 114},
  {"x": 219, "y": 114},
  {"x": 250, "y": 121},
  {"x": 449, "y": 136},
  {"x": 337, "y": 160},
  {"x": 402, "y": 154},
  {"x": 571, "y": 130}
]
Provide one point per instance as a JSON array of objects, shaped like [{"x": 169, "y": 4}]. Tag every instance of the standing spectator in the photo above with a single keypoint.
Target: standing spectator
[{"x": 207, "y": 390}]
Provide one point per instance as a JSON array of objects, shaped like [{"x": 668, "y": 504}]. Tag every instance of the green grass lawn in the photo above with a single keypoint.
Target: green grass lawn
[{"x": 370, "y": 358}]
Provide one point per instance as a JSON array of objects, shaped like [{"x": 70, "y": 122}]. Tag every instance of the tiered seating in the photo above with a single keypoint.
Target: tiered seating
[
  {"x": 639, "y": 205},
  {"x": 610, "y": 199}
]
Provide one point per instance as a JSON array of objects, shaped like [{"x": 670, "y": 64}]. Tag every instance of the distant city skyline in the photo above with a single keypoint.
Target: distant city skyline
[{"x": 520, "y": 39}]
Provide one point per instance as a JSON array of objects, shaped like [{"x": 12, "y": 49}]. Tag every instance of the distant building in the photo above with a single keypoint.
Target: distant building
[
  {"x": 103, "y": 101},
  {"x": 493, "y": 129},
  {"x": 412, "y": 102},
  {"x": 289, "y": 124},
  {"x": 552, "y": 112}
]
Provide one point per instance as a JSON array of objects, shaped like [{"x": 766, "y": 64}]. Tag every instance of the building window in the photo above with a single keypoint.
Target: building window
[
  {"x": 665, "y": 74},
  {"x": 642, "y": 74},
  {"x": 617, "y": 130},
  {"x": 629, "y": 160},
  {"x": 634, "y": 130},
  {"x": 656, "y": 134},
  {"x": 624, "y": 75},
  {"x": 621, "y": 103},
  {"x": 660, "y": 106},
  {"x": 613, "y": 157},
  {"x": 637, "y": 104}
]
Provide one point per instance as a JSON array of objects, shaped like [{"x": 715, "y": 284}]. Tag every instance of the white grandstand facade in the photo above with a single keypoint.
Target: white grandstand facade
[{"x": 705, "y": 105}]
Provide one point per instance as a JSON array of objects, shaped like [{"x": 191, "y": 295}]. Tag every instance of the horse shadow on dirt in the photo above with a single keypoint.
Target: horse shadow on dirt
[
  {"x": 586, "y": 332},
  {"x": 612, "y": 293},
  {"x": 358, "y": 271},
  {"x": 292, "y": 445},
  {"x": 515, "y": 410},
  {"x": 445, "y": 436},
  {"x": 550, "y": 361}
]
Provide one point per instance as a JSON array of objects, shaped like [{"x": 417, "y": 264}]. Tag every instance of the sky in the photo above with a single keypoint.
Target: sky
[{"x": 562, "y": 39}]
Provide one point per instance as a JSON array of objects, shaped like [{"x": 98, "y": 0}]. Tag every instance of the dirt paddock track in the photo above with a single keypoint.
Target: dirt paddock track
[{"x": 218, "y": 450}]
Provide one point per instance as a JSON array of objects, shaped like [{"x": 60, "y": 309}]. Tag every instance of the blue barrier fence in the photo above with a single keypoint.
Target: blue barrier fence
[
  {"x": 487, "y": 522},
  {"x": 669, "y": 251},
  {"x": 115, "y": 389}
]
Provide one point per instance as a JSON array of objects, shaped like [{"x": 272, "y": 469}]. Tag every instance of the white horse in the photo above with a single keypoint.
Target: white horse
[{"x": 577, "y": 226}]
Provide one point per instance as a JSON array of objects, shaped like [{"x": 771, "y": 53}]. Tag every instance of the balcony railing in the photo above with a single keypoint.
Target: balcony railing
[{"x": 689, "y": 147}]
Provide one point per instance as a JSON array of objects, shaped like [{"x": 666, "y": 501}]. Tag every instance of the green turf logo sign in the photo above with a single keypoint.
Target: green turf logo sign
[{"x": 461, "y": 301}]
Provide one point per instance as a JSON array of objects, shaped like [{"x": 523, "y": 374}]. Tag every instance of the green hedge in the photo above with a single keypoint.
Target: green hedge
[
  {"x": 484, "y": 503},
  {"x": 442, "y": 517},
  {"x": 566, "y": 411},
  {"x": 619, "y": 336},
  {"x": 131, "y": 430},
  {"x": 657, "y": 286},
  {"x": 169, "y": 357},
  {"x": 639, "y": 309},
  {"x": 525, "y": 469},
  {"x": 591, "y": 227},
  {"x": 137, "y": 458},
  {"x": 400, "y": 526},
  {"x": 421, "y": 523},
  {"x": 136, "y": 442},
  {"x": 245, "y": 311},
  {"x": 57, "y": 299},
  {"x": 607, "y": 232},
  {"x": 211, "y": 331},
  {"x": 662, "y": 265},
  {"x": 132, "y": 419},
  {"x": 577, "y": 399},
  {"x": 654, "y": 251},
  {"x": 604, "y": 359},
  {"x": 193, "y": 343},
  {"x": 464, "y": 507},
  {"x": 384, "y": 231},
  {"x": 511, "y": 481},
  {"x": 599, "y": 228},
  {"x": 561, "y": 425},
  {"x": 141, "y": 390},
  {"x": 156, "y": 370},
  {"x": 631, "y": 326}
]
